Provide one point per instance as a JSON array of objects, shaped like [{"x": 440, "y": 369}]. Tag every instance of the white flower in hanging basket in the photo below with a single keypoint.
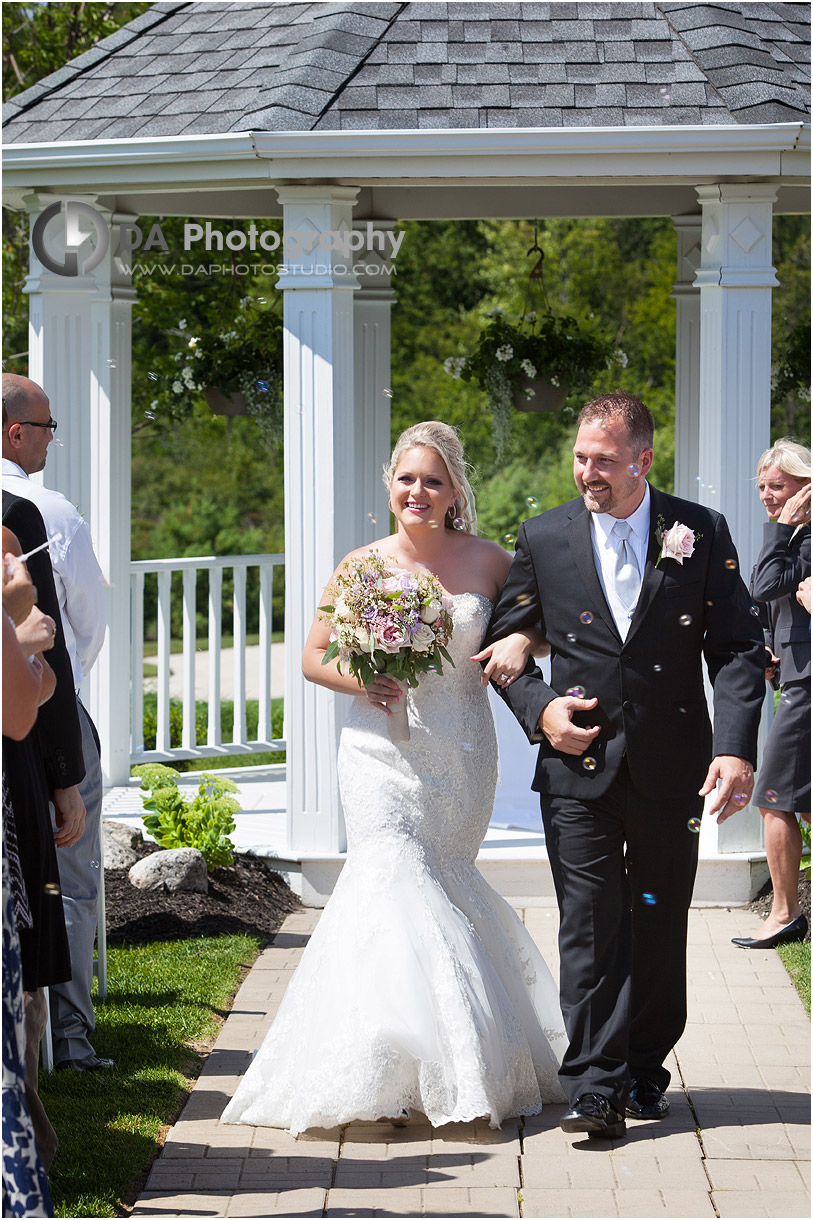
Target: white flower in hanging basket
[
  {"x": 504, "y": 353},
  {"x": 454, "y": 365},
  {"x": 528, "y": 369}
]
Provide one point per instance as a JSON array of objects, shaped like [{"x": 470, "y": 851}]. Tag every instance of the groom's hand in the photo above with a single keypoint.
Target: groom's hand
[
  {"x": 736, "y": 778},
  {"x": 556, "y": 722}
]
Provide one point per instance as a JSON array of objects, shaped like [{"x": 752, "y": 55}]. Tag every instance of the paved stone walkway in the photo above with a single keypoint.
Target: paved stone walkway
[{"x": 736, "y": 1143}]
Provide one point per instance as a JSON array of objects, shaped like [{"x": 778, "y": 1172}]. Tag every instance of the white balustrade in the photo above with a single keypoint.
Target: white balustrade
[{"x": 212, "y": 567}]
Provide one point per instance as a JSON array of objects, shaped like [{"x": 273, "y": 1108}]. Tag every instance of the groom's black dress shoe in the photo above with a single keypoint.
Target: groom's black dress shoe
[
  {"x": 646, "y": 1100},
  {"x": 795, "y": 930},
  {"x": 594, "y": 1114}
]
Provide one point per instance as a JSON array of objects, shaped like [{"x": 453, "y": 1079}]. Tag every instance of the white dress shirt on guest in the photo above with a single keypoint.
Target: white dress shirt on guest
[
  {"x": 80, "y": 584},
  {"x": 605, "y": 552}
]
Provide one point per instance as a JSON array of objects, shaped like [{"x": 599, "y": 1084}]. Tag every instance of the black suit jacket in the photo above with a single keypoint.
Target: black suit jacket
[
  {"x": 58, "y": 732},
  {"x": 651, "y": 701},
  {"x": 783, "y": 562}
]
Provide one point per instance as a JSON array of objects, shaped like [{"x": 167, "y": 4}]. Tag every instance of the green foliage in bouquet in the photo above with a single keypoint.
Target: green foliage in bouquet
[{"x": 205, "y": 822}]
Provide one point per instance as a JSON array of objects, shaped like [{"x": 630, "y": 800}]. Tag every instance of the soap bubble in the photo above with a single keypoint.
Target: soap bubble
[
  {"x": 94, "y": 864},
  {"x": 741, "y": 798},
  {"x": 111, "y": 364},
  {"x": 685, "y": 620},
  {"x": 589, "y": 764},
  {"x": 771, "y": 796},
  {"x": 264, "y": 386},
  {"x": 372, "y": 518},
  {"x": 52, "y": 889},
  {"x": 633, "y": 470},
  {"x": 509, "y": 538},
  {"x": 388, "y": 393},
  {"x": 576, "y": 692},
  {"x": 694, "y": 825},
  {"x": 571, "y": 637},
  {"x": 657, "y": 668},
  {"x": 152, "y": 376},
  {"x": 755, "y": 612},
  {"x": 532, "y": 502},
  {"x": 460, "y": 524},
  {"x": 731, "y": 564},
  {"x": 586, "y": 617},
  {"x": 649, "y": 899}
]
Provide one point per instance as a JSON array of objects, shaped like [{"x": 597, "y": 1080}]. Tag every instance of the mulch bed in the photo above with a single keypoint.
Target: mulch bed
[
  {"x": 248, "y": 897},
  {"x": 762, "y": 903}
]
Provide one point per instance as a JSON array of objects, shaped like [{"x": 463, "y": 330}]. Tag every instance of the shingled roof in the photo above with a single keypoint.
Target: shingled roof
[{"x": 200, "y": 68}]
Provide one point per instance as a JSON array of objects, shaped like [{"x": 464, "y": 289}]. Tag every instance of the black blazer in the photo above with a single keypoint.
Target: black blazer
[
  {"x": 783, "y": 562},
  {"x": 58, "y": 731},
  {"x": 651, "y": 701}
]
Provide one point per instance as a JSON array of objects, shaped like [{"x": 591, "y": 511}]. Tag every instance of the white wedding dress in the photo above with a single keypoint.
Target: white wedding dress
[{"x": 420, "y": 989}]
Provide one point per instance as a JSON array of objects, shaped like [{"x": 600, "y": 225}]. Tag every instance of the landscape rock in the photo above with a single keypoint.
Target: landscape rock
[
  {"x": 175, "y": 870},
  {"x": 120, "y": 841}
]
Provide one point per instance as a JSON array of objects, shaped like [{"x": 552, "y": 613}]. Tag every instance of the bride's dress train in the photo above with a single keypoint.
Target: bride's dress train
[{"x": 420, "y": 988}]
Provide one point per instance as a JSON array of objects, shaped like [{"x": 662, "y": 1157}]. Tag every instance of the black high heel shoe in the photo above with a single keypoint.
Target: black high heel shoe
[{"x": 793, "y": 931}]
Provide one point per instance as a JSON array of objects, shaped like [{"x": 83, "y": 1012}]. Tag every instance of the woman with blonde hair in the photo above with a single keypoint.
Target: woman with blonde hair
[
  {"x": 783, "y": 780},
  {"x": 420, "y": 988}
]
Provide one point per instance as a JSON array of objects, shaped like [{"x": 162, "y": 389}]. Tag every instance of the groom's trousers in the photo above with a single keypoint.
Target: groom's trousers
[{"x": 623, "y": 866}]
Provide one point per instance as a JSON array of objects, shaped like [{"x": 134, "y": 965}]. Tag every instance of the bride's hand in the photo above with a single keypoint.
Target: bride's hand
[
  {"x": 506, "y": 659},
  {"x": 383, "y": 691}
]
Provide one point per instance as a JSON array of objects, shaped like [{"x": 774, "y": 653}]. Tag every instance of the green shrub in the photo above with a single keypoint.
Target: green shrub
[{"x": 205, "y": 822}]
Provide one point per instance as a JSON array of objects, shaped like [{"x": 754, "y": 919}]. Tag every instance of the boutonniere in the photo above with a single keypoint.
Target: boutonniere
[{"x": 676, "y": 543}]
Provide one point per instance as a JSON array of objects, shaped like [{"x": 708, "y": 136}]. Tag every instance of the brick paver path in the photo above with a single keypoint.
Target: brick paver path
[{"x": 736, "y": 1143}]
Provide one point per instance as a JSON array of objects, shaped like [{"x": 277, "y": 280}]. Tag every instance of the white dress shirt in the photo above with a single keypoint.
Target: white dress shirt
[
  {"x": 605, "y": 552},
  {"x": 80, "y": 585}
]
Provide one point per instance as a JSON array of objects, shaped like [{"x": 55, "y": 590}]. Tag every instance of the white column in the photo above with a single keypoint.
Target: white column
[
  {"x": 735, "y": 279},
  {"x": 320, "y": 492},
  {"x": 80, "y": 353},
  {"x": 687, "y": 358},
  {"x": 372, "y": 343}
]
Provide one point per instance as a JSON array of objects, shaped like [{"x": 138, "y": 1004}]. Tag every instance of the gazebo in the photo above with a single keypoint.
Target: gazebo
[{"x": 343, "y": 118}]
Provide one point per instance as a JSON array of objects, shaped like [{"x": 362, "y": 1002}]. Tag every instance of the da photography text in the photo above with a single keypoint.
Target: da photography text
[{"x": 82, "y": 221}]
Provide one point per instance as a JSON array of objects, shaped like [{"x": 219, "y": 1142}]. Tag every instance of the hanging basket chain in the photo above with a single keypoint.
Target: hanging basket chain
[{"x": 536, "y": 280}]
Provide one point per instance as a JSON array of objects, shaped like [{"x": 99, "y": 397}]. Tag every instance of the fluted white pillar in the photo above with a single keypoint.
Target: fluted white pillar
[
  {"x": 735, "y": 279},
  {"x": 372, "y": 345},
  {"x": 687, "y": 358},
  {"x": 80, "y": 353},
  {"x": 320, "y": 492}
]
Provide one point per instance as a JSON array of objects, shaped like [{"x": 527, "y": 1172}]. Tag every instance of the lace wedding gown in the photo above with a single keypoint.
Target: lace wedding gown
[{"x": 420, "y": 988}]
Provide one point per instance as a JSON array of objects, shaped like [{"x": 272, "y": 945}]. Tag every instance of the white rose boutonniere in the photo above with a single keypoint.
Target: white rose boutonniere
[{"x": 677, "y": 543}]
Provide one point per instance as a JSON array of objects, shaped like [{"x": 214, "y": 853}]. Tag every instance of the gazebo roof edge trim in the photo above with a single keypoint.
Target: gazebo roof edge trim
[{"x": 578, "y": 141}]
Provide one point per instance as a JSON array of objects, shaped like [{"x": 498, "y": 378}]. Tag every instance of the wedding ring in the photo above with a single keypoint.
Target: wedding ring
[{"x": 504, "y": 678}]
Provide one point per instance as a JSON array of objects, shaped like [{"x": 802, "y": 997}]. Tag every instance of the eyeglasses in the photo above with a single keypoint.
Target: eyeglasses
[{"x": 29, "y": 423}]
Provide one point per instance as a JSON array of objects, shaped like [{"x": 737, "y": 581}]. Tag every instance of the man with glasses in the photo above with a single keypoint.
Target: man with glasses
[{"x": 28, "y": 429}]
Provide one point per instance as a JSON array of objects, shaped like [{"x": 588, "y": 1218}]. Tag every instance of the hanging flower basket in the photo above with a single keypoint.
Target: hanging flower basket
[
  {"x": 535, "y": 396},
  {"x": 225, "y": 404},
  {"x": 531, "y": 364}
]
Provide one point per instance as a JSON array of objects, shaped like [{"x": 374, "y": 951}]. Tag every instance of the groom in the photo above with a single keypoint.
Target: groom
[{"x": 627, "y": 751}]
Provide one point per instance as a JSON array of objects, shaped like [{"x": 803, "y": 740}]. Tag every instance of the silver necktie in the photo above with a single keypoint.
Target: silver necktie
[{"x": 627, "y": 578}]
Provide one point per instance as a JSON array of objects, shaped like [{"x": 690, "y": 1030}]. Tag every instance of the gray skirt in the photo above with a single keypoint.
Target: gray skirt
[{"x": 783, "y": 780}]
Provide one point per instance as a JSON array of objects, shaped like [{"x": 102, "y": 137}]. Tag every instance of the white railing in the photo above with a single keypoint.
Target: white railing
[{"x": 164, "y": 569}]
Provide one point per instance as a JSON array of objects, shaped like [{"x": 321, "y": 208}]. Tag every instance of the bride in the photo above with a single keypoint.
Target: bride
[{"x": 420, "y": 988}]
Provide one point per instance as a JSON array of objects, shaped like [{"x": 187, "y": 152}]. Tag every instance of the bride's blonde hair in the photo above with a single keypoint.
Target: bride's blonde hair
[{"x": 432, "y": 434}]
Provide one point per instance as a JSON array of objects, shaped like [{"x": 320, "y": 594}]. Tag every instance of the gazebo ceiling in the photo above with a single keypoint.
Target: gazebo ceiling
[{"x": 580, "y": 109}]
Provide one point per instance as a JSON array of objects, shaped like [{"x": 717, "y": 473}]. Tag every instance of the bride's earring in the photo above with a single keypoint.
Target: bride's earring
[{"x": 457, "y": 521}]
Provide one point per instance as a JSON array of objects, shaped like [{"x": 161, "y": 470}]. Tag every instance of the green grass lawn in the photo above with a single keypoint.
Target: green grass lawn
[
  {"x": 797, "y": 963},
  {"x": 162, "y": 999}
]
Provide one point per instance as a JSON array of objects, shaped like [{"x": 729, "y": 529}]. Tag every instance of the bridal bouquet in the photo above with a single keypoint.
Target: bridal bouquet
[{"x": 387, "y": 620}]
